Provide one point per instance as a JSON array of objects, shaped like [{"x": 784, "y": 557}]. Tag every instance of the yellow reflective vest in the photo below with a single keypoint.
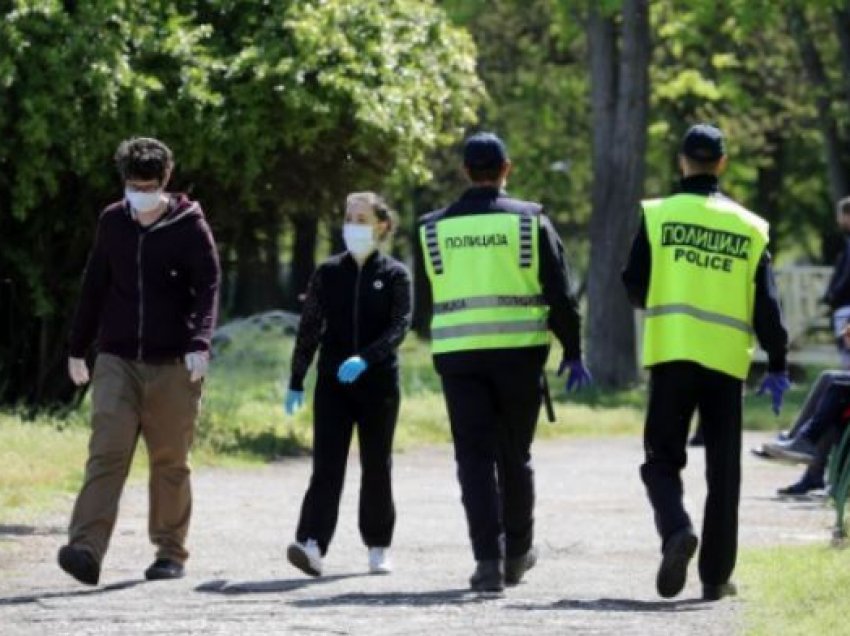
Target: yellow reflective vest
[
  {"x": 704, "y": 253},
  {"x": 483, "y": 270}
]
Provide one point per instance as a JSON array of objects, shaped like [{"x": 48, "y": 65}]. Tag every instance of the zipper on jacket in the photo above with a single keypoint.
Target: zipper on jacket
[
  {"x": 357, "y": 305},
  {"x": 141, "y": 292}
]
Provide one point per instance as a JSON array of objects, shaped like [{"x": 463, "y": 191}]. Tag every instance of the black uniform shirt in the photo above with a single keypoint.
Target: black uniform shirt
[
  {"x": 767, "y": 315},
  {"x": 838, "y": 291},
  {"x": 351, "y": 310},
  {"x": 564, "y": 319}
]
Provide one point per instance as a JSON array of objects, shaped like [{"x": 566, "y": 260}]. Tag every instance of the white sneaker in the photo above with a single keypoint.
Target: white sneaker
[
  {"x": 306, "y": 557},
  {"x": 379, "y": 561}
]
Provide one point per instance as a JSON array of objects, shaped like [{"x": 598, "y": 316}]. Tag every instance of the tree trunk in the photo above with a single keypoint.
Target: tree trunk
[
  {"x": 306, "y": 233},
  {"x": 272, "y": 291},
  {"x": 769, "y": 186},
  {"x": 249, "y": 269},
  {"x": 421, "y": 320},
  {"x": 813, "y": 65},
  {"x": 619, "y": 94},
  {"x": 842, "y": 29},
  {"x": 33, "y": 338}
]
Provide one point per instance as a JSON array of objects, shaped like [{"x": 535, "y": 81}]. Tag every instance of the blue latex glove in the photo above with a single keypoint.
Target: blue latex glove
[
  {"x": 293, "y": 401},
  {"x": 776, "y": 384},
  {"x": 351, "y": 369},
  {"x": 579, "y": 377}
]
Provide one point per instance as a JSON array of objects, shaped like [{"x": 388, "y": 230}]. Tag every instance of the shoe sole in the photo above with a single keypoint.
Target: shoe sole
[
  {"x": 162, "y": 576},
  {"x": 674, "y": 565},
  {"x": 68, "y": 561},
  {"x": 789, "y": 456},
  {"x": 300, "y": 560},
  {"x": 788, "y": 492},
  {"x": 713, "y": 595},
  {"x": 487, "y": 587}
]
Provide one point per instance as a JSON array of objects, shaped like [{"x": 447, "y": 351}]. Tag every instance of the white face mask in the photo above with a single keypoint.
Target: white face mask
[
  {"x": 143, "y": 201},
  {"x": 359, "y": 239}
]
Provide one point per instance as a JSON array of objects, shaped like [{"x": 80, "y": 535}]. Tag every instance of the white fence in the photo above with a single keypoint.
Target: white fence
[{"x": 800, "y": 289}]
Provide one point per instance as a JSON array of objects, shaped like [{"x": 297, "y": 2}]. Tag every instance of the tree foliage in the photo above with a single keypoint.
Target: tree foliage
[
  {"x": 276, "y": 109},
  {"x": 734, "y": 63},
  {"x": 270, "y": 107}
]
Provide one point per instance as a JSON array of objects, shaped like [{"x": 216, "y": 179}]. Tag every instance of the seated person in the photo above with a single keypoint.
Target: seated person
[
  {"x": 814, "y": 477},
  {"x": 837, "y": 295},
  {"x": 811, "y": 441},
  {"x": 817, "y": 458}
]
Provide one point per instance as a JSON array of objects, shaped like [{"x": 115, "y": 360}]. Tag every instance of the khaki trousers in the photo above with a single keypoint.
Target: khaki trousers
[{"x": 159, "y": 402}]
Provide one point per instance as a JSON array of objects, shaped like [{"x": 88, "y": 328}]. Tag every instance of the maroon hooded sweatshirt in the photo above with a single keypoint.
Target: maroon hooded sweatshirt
[{"x": 149, "y": 293}]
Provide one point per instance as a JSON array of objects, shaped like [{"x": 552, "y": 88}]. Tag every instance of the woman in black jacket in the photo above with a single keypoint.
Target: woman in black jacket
[{"x": 356, "y": 312}]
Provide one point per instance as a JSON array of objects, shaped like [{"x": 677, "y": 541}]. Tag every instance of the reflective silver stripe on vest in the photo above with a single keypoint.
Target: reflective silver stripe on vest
[
  {"x": 486, "y": 302},
  {"x": 433, "y": 245},
  {"x": 488, "y": 329},
  {"x": 700, "y": 314},
  {"x": 525, "y": 242}
]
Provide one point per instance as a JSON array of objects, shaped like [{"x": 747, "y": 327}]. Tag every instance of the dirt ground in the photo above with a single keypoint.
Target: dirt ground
[{"x": 598, "y": 557}]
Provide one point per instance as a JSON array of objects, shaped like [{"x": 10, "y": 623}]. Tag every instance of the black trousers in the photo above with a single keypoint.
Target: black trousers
[
  {"x": 493, "y": 413},
  {"x": 372, "y": 405},
  {"x": 677, "y": 389},
  {"x": 821, "y": 385},
  {"x": 830, "y": 407},
  {"x": 816, "y": 471}
]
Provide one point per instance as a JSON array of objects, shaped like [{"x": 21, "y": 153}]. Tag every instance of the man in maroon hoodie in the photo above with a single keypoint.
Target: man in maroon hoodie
[{"x": 149, "y": 298}]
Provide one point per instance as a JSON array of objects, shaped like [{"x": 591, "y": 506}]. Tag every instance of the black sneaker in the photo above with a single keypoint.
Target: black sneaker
[
  {"x": 802, "y": 487},
  {"x": 516, "y": 567},
  {"x": 673, "y": 571},
  {"x": 163, "y": 569},
  {"x": 80, "y": 564},
  {"x": 488, "y": 576},
  {"x": 716, "y": 592}
]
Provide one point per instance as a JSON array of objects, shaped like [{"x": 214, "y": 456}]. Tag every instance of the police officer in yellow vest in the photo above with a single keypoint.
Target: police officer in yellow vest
[
  {"x": 498, "y": 281},
  {"x": 700, "y": 268}
]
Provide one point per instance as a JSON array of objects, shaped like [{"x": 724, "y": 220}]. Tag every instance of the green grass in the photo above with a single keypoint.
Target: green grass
[
  {"x": 242, "y": 421},
  {"x": 795, "y": 590},
  {"x": 37, "y": 460}
]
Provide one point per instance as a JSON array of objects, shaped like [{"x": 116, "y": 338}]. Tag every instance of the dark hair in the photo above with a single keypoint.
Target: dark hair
[
  {"x": 702, "y": 167},
  {"x": 843, "y": 206},
  {"x": 143, "y": 158},
  {"x": 381, "y": 209},
  {"x": 484, "y": 175}
]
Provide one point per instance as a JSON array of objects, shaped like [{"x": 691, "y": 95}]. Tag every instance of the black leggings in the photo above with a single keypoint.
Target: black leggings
[{"x": 372, "y": 403}]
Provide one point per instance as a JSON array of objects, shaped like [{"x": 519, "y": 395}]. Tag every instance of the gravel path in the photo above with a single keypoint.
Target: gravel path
[{"x": 595, "y": 575}]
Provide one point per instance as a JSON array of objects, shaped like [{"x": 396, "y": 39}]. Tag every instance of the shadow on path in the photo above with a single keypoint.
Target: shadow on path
[
  {"x": 43, "y": 596},
  {"x": 222, "y": 586},
  {"x": 25, "y": 531},
  {"x": 620, "y": 605},
  {"x": 811, "y": 501},
  {"x": 412, "y": 599}
]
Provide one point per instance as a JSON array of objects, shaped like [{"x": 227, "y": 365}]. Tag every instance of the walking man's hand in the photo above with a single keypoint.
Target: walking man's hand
[
  {"x": 78, "y": 371},
  {"x": 197, "y": 363},
  {"x": 776, "y": 384},
  {"x": 578, "y": 377}
]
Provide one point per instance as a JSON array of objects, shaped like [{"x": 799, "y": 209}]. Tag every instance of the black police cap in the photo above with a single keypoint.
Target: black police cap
[
  {"x": 484, "y": 150},
  {"x": 703, "y": 142}
]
